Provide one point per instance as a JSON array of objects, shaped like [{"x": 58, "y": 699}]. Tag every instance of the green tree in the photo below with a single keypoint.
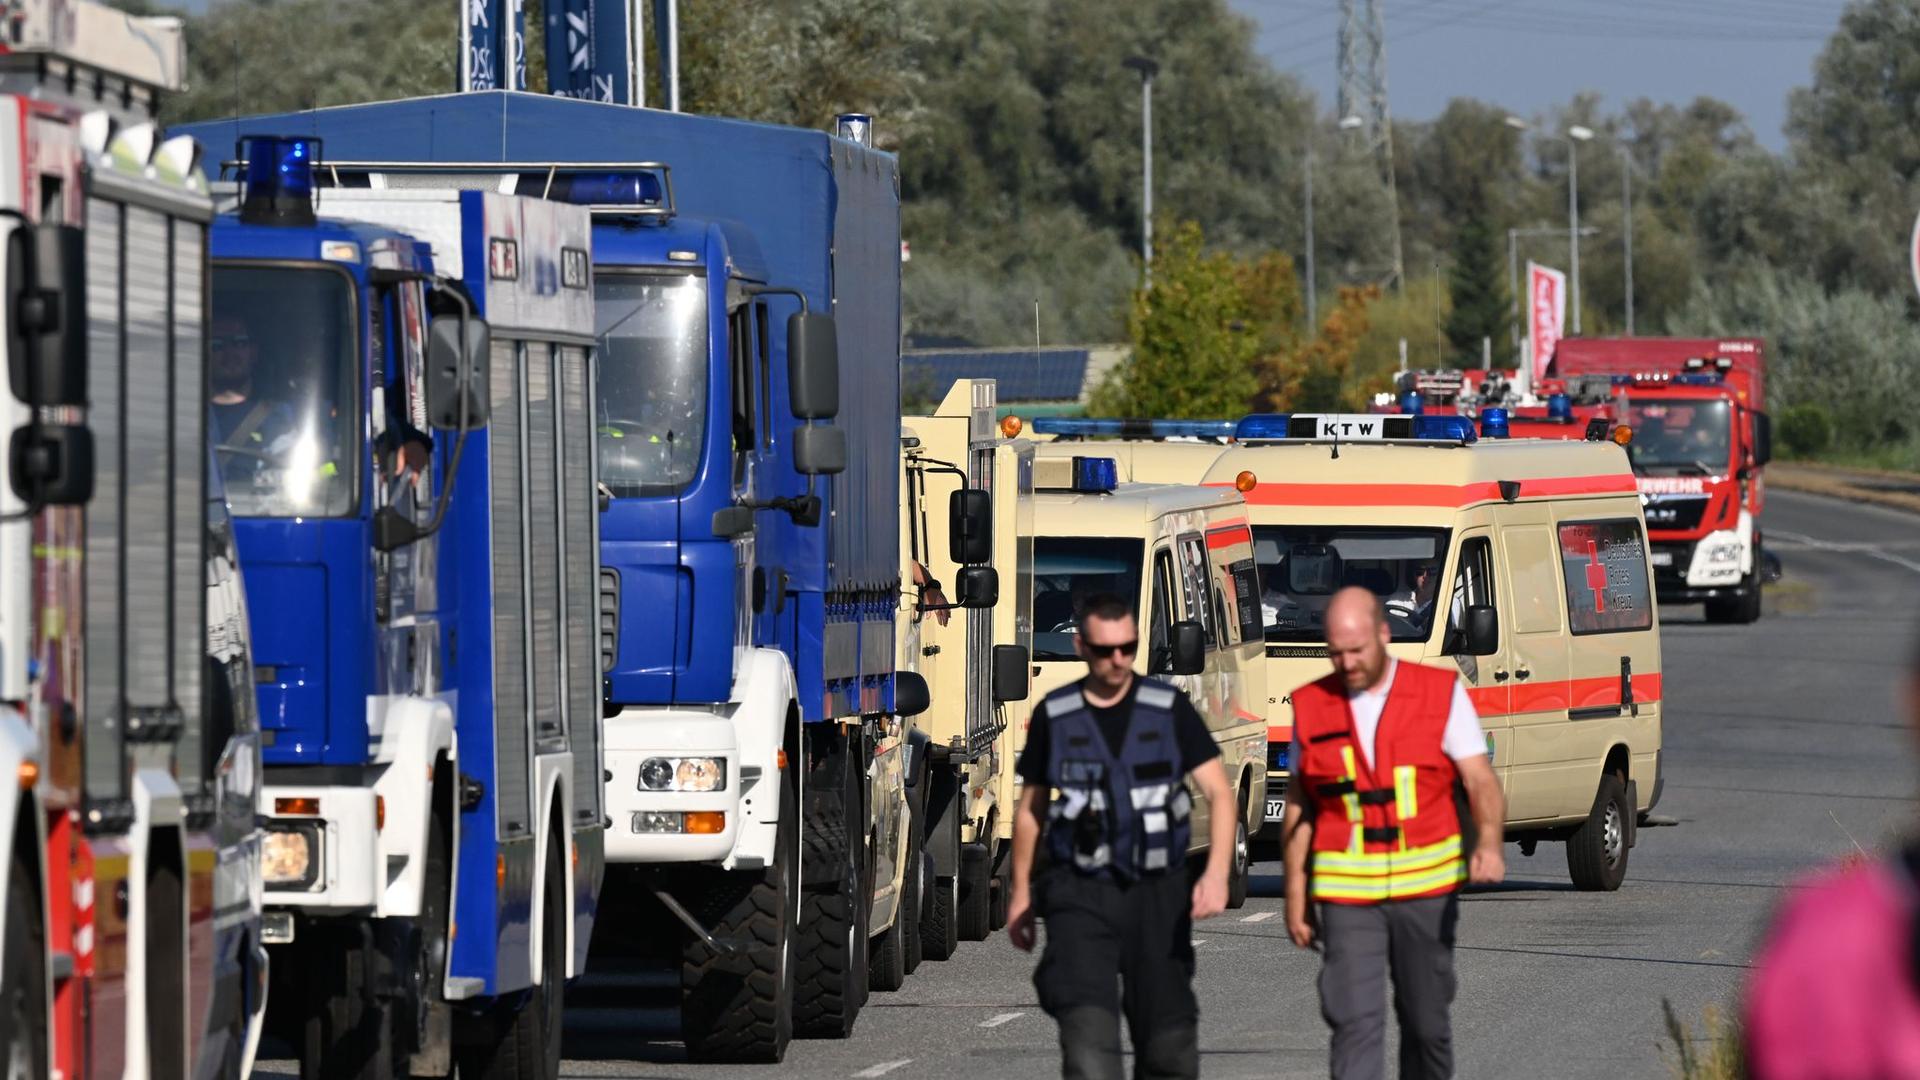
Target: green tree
[
  {"x": 1480, "y": 303},
  {"x": 1194, "y": 341}
]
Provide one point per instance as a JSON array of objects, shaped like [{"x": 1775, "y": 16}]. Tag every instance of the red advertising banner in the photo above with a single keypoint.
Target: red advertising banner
[{"x": 1546, "y": 313}]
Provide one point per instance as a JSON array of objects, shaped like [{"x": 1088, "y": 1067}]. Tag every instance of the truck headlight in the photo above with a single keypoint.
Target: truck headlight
[
  {"x": 683, "y": 774},
  {"x": 290, "y": 856}
]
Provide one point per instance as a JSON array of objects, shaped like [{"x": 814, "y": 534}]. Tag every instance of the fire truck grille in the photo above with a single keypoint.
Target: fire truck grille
[{"x": 1675, "y": 511}]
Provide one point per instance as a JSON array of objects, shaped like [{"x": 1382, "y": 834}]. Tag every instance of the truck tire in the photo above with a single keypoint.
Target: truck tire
[
  {"x": 430, "y": 1042},
  {"x": 348, "y": 1028},
  {"x": 1741, "y": 609},
  {"x": 521, "y": 1041},
  {"x": 1241, "y": 866},
  {"x": 940, "y": 929},
  {"x": 739, "y": 1010},
  {"x": 976, "y": 892},
  {"x": 23, "y": 982},
  {"x": 1597, "y": 850},
  {"x": 917, "y": 911},
  {"x": 832, "y": 967}
]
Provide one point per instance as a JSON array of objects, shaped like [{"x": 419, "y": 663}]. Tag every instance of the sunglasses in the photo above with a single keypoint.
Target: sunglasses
[{"x": 1101, "y": 652}]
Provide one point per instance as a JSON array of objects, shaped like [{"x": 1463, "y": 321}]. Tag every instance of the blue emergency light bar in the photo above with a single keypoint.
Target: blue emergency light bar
[
  {"x": 1095, "y": 475},
  {"x": 1133, "y": 429},
  {"x": 1493, "y": 423},
  {"x": 640, "y": 189},
  {"x": 1412, "y": 403},
  {"x": 1662, "y": 378},
  {"x": 277, "y": 184},
  {"x": 1312, "y": 427},
  {"x": 1559, "y": 407}
]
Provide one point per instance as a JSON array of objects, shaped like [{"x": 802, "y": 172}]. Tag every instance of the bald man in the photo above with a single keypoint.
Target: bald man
[{"x": 1374, "y": 843}]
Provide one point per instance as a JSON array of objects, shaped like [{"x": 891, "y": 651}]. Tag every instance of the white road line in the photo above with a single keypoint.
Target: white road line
[
  {"x": 996, "y": 1021},
  {"x": 1849, "y": 547},
  {"x": 1197, "y": 942},
  {"x": 1259, "y": 916},
  {"x": 882, "y": 1069}
]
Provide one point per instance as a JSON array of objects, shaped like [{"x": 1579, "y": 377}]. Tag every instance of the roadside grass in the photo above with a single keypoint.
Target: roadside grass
[{"x": 1714, "y": 1054}]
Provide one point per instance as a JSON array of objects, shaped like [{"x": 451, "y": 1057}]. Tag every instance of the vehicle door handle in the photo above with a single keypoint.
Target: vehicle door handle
[
  {"x": 1499, "y": 674},
  {"x": 1523, "y": 673}
]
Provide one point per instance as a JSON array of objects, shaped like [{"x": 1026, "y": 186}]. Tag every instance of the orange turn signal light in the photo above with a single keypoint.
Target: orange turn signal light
[
  {"x": 303, "y": 806},
  {"x": 1246, "y": 481},
  {"x": 1011, "y": 426},
  {"x": 500, "y": 871},
  {"x": 708, "y": 822},
  {"x": 780, "y": 759},
  {"x": 29, "y": 774},
  {"x": 1623, "y": 434},
  {"x": 379, "y": 813}
]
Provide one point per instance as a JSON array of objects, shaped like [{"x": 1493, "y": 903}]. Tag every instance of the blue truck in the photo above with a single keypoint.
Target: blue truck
[
  {"x": 399, "y": 396},
  {"x": 759, "y": 775}
]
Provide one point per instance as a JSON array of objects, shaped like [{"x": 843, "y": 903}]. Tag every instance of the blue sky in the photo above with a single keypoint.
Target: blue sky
[{"x": 1531, "y": 54}]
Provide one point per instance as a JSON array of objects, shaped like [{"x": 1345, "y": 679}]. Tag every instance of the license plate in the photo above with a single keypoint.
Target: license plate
[
  {"x": 1663, "y": 558},
  {"x": 1276, "y": 809}
]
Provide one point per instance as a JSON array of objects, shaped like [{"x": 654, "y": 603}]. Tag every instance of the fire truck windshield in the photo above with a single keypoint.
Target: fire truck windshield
[
  {"x": 652, "y": 333},
  {"x": 1302, "y": 566},
  {"x": 1682, "y": 435},
  {"x": 281, "y": 382}
]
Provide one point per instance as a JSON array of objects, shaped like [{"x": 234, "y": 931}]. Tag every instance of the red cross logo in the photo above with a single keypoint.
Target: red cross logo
[{"x": 1596, "y": 578}]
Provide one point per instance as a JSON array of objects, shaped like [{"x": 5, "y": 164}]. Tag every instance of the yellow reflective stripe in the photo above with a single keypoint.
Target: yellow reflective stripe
[
  {"x": 1381, "y": 863},
  {"x": 1352, "y": 799},
  {"x": 1404, "y": 792},
  {"x": 1399, "y": 885}
]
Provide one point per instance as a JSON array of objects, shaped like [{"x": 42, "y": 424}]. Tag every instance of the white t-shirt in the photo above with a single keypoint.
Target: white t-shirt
[{"x": 1463, "y": 738}]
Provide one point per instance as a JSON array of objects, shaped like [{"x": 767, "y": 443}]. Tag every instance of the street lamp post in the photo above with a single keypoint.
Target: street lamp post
[
  {"x": 1573, "y": 138},
  {"x": 1626, "y": 196},
  {"x": 1148, "y": 68}
]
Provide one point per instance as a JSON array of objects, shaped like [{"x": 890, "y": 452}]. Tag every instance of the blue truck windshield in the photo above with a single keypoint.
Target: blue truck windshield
[
  {"x": 281, "y": 378},
  {"x": 652, "y": 334}
]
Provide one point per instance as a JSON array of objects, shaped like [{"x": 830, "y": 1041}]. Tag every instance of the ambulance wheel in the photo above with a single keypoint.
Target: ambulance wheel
[
  {"x": 520, "y": 1040},
  {"x": 832, "y": 959},
  {"x": 976, "y": 892},
  {"x": 887, "y": 955},
  {"x": 1741, "y": 609},
  {"x": 914, "y": 908},
  {"x": 23, "y": 981},
  {"x": 1597, "y": 850},
  {"x": 739, "y": 1010},
  {"x": 1241, "y": 867}
]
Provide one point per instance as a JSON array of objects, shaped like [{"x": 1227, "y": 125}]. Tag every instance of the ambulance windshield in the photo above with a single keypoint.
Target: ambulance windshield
[
  {"x": 1684, "y": 436},
  {"x": 281, "y": 384},
  {"x": 1302, "y": 566},
  {"x": 652, "y": 333},
  {"x": 1069, "y": 569}
]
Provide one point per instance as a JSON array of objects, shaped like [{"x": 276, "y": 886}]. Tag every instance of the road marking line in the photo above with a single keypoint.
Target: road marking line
[
  {"x": 1197, "y": 942},
  {"x": 882, "y": 1069},
  {"x": 1849, "y": 548},
  {"x": 1260, "y": 916},
  {"x": 1001, "y": 1019}
]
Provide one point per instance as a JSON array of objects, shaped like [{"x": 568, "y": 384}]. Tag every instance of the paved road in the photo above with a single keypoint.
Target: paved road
[{"x": 1784, "y": 748}]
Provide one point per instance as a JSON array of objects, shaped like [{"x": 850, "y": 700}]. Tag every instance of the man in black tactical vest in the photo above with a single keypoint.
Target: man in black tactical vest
[{"x": 1114, "y": 892}]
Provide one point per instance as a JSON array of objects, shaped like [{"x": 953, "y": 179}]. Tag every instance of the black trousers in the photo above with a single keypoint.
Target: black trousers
[
  {"x": 1120, "y": 948},
  {"x": 1412, "y": 939}
]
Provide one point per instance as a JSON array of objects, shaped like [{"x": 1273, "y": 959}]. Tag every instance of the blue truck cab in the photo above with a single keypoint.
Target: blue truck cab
[
  {"x": 747, "y": 321},
  {"x": 399, "y": 399}
]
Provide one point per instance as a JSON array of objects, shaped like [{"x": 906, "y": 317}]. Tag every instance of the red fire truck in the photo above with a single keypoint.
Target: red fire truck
[
  {"x": 1701, "y": 438},
  {"x": 129, "y": 876}
]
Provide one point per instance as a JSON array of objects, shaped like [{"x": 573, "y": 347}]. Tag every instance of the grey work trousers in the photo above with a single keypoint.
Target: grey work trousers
[
  {"x": 1115, "y": 948},
  {"x": 1414, "y": 940}
]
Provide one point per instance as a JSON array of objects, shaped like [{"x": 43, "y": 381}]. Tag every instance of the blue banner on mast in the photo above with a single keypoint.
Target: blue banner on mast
[
  {"x": 587, "y": 50},
  {"x": 484, "y": 36}
]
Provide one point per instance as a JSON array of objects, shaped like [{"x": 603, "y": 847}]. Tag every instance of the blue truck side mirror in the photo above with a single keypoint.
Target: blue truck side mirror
[
  {"x": 813, "y": 367},
  {"x": 47, "y": 314},
  {"x": 453, "y": 364},
  {"x": 819, "y": 451}
]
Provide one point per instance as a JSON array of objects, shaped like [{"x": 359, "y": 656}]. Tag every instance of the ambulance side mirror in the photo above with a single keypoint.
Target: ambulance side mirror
[
  {"x": 970, "y": 526},
  {"x": 979, "y": 587},
  {"x": 47, "y": 314},
  {"x": 1482, "y": 631},
  {"x": 911, "y": 697},
  {"x": 1012, "y": 673},
  {"x": 1189, "y": 648}
]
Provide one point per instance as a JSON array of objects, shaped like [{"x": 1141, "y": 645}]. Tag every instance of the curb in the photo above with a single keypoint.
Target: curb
[{"x": 1896, "y": 490}]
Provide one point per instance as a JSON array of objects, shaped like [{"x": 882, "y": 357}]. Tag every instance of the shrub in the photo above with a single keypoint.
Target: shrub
[{"x": 1804, "y": 430}]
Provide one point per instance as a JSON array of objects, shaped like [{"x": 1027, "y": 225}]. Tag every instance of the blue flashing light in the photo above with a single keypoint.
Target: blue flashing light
[
  {"x": 1263, "y": 426},
  {"x": 1698, "y": 380},
  {"x": 1412, "y": 403},
  {"x": 1559, "y": 407},
  {"x": 1095, "y": 475},
  {"x": 1447, "y": 428},
  {"x": 1278, "y": 752},
  {"x": 1133, "y": 429},
  {"x": 1493, "y": 423},
  {"x": 278, "y": 182},
  {"x": 641, "y": 190}
]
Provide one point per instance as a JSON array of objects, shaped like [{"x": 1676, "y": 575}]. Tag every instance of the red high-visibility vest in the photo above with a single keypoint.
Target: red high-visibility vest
[{"x": 1389, "y": 831}]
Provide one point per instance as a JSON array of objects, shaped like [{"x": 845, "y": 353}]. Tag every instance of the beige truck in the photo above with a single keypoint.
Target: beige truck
[
  {"x": 966, "y": 524},
  {"x": 1522, "y": 563}
]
